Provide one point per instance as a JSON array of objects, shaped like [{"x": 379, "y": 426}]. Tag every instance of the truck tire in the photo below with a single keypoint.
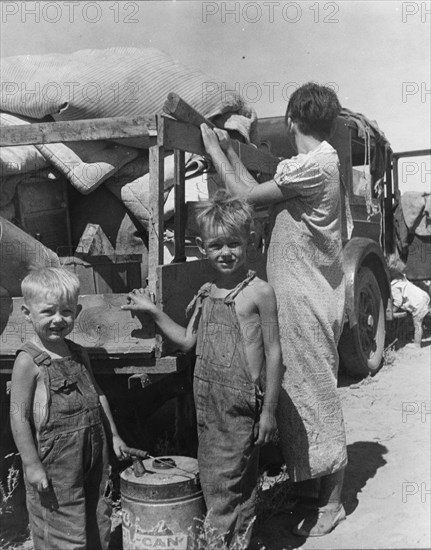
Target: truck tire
[{"x": 361, "y": 347}]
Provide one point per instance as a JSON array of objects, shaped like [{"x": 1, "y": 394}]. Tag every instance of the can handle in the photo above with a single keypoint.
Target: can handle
[{"x": 164, "y": 463}]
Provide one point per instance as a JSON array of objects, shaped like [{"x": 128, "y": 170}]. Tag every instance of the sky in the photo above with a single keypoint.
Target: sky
[{"x": 375, "y": 54}]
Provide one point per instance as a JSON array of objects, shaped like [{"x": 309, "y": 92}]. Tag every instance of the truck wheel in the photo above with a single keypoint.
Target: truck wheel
[{"x": 361, "y": 347}]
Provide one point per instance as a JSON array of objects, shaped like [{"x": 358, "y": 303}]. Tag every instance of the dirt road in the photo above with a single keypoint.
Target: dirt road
[
  {"x": 387, "y": 485},
  {"x": 387, "y": 493}
]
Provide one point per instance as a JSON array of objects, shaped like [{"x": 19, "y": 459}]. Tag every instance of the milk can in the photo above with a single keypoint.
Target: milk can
[{"x": 161, "y": 503}]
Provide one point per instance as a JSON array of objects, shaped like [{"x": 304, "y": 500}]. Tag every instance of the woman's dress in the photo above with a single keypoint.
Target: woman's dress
[{"x": 304, "y": 266}]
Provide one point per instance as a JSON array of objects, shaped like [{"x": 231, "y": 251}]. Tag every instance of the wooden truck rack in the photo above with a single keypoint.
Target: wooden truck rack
[{"x": 117, "y": 341}]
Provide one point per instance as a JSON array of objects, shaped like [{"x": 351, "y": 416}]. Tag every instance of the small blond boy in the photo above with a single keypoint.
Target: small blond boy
[{"x": 58, "y": 419}]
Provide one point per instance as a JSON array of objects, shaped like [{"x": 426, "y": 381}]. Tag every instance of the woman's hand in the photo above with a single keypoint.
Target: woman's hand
[
  {"x": 139, "y": 300},
  {"x": 223, "y": 139},
  {"x": 215, "y": 139}
]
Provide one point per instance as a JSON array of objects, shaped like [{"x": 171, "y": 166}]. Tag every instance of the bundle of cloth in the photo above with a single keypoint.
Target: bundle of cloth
[
  {"x": 416, "y": 208},
  {"x": 412, "y": 217},
  {"x": 108, "y": 83}
]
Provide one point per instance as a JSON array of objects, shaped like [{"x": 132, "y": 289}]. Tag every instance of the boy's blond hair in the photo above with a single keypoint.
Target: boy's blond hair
[
  {"x": 235, "y": 216},
  {"x": 50, "y": 280}
]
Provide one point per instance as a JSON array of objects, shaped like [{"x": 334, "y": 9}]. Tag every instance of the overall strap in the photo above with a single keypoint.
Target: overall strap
[
  {"x": 39, "y": 356},
  {"x": 230, "y": 298},
  {"x": 203, "y": 292}
]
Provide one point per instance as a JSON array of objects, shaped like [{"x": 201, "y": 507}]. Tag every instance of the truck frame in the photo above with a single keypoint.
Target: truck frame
[{"x": 122, "y": 344}]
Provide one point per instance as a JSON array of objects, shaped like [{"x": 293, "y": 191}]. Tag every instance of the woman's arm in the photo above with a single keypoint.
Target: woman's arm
[{"x": 235, "y": 176}]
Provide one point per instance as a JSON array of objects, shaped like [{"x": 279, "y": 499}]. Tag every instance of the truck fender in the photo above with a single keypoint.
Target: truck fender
[{"x": 359, "y": 252}]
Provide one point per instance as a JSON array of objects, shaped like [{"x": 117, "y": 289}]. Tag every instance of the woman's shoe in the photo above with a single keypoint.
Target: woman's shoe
[{"x": 320, "y": 522}]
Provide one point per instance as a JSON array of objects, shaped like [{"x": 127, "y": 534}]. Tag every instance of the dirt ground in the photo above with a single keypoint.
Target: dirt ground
[{"x": 387, "y": 484}]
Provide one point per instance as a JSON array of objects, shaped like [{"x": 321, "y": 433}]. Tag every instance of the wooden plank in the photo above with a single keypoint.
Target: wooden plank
[
  {"x": 178, "y": 283},
  {"x": 182, "y": 111},
  {"x": 179, "y": 135},
  {"x": 107, "y": 365},
  {"x": 103, "y": 278},
  {"x": 163, "y": 365},
  {"x": 180, "y": 207},
  {"x": 79, "y": 130},
  {"x": 119, "y": 279},
  {"x": 101, "y": 326},
  {"x": 155, "y": 239},
  {"x": 84, "y": 272},
  {"x": 42, "y": 211},
  {"x": 134, "y": 276},
  {"x": 94, "y": 242}
]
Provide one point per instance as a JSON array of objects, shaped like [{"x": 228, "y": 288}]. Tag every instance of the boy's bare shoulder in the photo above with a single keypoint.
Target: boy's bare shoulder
[
  {"x": 24, "y": 365},
  {"x": 261, "y": 289}
]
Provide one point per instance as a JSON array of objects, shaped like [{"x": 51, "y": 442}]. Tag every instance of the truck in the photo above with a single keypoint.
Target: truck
[{"x": 130, "y": 357}]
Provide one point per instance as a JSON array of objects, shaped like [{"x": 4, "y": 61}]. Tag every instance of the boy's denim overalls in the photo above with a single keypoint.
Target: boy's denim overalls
[
  {"x": 74, "y": 513},
  {"x": 227, "y": 410}
]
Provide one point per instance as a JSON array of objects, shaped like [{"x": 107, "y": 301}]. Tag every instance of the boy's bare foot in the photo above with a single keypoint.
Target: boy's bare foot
[{"x": 320, "y": 522}]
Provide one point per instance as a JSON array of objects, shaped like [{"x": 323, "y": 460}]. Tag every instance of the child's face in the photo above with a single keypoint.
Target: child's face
[
  {"x": 226, "y": 252},
  {"x": 51, "y": 315}
]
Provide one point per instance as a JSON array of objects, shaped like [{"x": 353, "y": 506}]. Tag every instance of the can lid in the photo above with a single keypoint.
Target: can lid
[{"x": 164, "y": 470}]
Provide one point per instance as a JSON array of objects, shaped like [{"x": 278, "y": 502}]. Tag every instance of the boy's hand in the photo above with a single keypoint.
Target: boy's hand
[
  {"x": 37, "y": 477},
  {"x": 266, "y": 429},
  {"x": 120, "y": 448},
  {"x": 139, "y": 300}
]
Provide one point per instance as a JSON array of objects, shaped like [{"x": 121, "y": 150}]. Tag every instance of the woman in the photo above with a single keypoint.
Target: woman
[{"x": 304, "y": 266}]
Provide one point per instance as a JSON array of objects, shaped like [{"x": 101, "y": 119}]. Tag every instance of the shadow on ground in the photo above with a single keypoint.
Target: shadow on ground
[
  {"x": 365, "y": 458},
  {"x": 277, "y": 514}
]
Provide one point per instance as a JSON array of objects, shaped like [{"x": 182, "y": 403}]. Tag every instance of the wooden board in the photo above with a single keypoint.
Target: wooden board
[
  {"x": 157, "y": 178},
  {"x": 177, "y": 284},
  {"x": 79, "y": 130},
  {"x": 179, "y": 135},
  {"x": 123, "y": 364},
  {"x": 180, "y": 216},
  {"x": 102, "y": 327},
  {"x": 43, "y": 212},
  {"x": 101, "y": 275},
  {"x": 179, "y": 109}
]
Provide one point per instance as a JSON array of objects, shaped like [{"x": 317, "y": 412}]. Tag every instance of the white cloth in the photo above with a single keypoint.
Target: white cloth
[{"x": 409, "y": 297}]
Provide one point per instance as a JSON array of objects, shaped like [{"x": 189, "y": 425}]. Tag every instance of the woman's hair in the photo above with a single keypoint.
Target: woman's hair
[
  {"x": 50, "y": 280},
  {"x": 314, "y": 108},
  {"x": 235, "y": 216}
]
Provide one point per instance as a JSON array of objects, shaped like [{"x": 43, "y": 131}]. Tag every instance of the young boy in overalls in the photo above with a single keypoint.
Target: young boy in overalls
[
  {"x": 58, "y": 419},
  {"x": 235, "y": 329}
]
